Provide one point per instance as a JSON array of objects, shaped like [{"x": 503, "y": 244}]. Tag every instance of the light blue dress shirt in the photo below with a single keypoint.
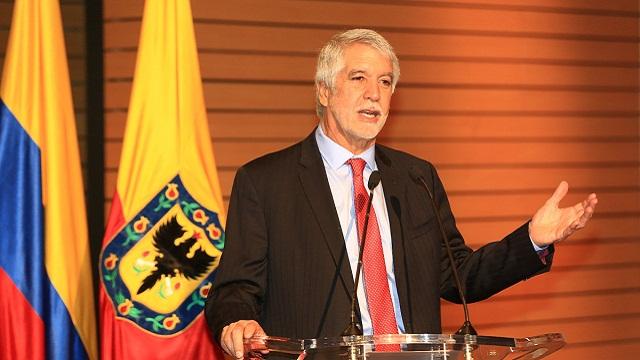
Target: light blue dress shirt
[{"x": 340, "y": 178}]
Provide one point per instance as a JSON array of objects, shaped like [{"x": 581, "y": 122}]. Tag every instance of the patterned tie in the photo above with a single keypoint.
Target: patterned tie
[{"x": 375, "y": 273}]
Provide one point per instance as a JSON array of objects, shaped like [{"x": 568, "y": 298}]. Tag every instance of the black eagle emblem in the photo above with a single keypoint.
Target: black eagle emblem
[{"x": 172, "y": 259}]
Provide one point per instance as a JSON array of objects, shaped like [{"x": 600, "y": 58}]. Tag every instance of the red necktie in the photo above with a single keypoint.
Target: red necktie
[{"x": 375, "y": 273}]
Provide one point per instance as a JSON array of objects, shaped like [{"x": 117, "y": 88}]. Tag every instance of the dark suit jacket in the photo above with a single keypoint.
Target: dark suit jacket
[{"x": 285, "y": 263}]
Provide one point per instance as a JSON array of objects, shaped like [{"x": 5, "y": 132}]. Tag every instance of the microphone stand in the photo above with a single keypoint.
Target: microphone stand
[
  {"x": 354, "y": 327},
  {"x": 467, "y": 327}
]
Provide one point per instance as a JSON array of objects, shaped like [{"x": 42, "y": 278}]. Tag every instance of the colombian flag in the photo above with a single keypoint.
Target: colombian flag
[
  {"x": 164, "y": 235},
  {"x": 46, "y": 296}
]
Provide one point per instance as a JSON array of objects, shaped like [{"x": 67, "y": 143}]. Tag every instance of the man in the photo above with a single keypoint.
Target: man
[{"x": 293, "y": 227}]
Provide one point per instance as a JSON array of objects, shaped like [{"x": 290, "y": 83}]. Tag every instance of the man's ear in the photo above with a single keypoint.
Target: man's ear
[{"x": 323, "y": 94}]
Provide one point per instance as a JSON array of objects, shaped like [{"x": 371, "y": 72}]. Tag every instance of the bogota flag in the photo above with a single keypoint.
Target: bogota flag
[
  {"x": 46, "y": 292},
  {"x": 164, "y": 236}
]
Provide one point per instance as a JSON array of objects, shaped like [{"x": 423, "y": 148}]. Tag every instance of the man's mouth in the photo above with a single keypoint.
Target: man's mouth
[{"x": 370, "y": 113}]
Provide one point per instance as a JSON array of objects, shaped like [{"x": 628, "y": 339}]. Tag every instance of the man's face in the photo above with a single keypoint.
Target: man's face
[{"x": 357, "y": 108}]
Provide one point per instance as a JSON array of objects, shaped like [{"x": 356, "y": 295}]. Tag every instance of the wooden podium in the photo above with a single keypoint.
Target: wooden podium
[{"x": 413, "y": 347}]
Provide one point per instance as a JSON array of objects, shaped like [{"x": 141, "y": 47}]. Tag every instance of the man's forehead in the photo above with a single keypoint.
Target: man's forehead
[
  {"x": 363, "y": 57},
  {"x": 363, "y": 48}
]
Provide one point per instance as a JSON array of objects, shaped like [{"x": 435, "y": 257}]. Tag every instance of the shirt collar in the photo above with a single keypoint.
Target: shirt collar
[{"x": 335, "y": 155}]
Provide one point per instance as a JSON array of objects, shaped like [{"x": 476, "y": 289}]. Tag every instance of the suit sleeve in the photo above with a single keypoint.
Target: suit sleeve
[
  {"x": 491, "y": 268},
  {"x": 240, "y": 283}
]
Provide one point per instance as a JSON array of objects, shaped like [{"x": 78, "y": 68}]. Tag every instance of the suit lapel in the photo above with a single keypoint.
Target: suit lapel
[
  {"x": 394, "y": 185},
  {"x": 316, "y": 188}
]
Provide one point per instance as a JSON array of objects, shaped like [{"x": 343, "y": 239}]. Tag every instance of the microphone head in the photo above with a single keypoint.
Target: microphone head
[{"x": 374, "y": 180}]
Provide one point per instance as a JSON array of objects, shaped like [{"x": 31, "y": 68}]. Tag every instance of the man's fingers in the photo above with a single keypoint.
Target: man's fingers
[
  {"x": 588, "y": 213},
  {"x": 590, "y": 203},
  {"x": 226, "y": 340},
  {"x": 586, "y": 208},
  {"x": 569, "y": 230},
  {"x": 237, "y": 339},
  {"x": 561, "y": 223},
  {"x": 560, "y": 192},
  {"x": 582, "y": 215},
  {"x": 234, "y": 334},
  {"x": 223, "y": 343},
  {"x": 253, "y": 329}
]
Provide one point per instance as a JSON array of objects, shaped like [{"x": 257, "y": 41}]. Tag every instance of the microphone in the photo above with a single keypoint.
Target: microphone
[
  {"x": 466, "y": 328},
  {"x": 354, "y": 327}
]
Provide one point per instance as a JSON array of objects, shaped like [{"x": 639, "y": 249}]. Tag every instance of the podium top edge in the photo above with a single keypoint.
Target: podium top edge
[{"x": 450, "y": 339}]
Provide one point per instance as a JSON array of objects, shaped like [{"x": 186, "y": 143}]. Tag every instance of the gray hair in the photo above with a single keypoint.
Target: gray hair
[{"x": 331, "y": 61}]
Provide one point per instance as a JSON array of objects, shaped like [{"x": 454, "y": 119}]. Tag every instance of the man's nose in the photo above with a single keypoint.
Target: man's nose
[{"x": 372, "y": 91}]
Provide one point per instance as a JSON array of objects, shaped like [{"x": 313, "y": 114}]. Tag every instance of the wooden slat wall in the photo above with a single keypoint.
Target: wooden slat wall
[
  {"x": 506, "y": 97},
  {"x": 6, "y": 9}
]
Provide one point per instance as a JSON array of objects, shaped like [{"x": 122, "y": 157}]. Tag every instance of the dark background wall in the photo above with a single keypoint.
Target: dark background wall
[{"x": 506, "y": 97}]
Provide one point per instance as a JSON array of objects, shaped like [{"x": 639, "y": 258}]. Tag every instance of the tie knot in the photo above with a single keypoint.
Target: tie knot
[{"x": 357, "y": 166}]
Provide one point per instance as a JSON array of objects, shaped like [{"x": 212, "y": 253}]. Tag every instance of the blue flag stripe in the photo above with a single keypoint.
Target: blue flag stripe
[{"x": 22, "y": 236}]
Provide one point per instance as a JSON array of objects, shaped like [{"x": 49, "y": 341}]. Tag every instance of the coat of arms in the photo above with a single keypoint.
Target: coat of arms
[{"x": 159, "y": 268}]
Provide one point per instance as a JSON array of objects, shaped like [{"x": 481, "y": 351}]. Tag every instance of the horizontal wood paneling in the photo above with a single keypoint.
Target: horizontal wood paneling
[
  {"x": 426, "y": 18},
  {"x": 605, "y": 8},
  {"x": 514, "y": 202},
  {"x": 494, "y": 181},
  {"x": 411, "y": 128},
  {"x": 267, "y": 96},
  {"x": 598, "y": 350},
  {"x": 507, "y": 98},
  {"x": 618, "y": 8},
  {"x": 517, "y": 204},
  {"x": 600, "y": 227},
  {"x": 442, "y": 153},
  {"x": 577, "y": 331},
  {"x": 302, "y": 40},
  {"x": 430, "y": 16},
  {"x": 494, "y": 314},
  {"x": 282, "y": 68},
  {"x": 584, "y": 281},
  {"x": 6, "y": 9}
]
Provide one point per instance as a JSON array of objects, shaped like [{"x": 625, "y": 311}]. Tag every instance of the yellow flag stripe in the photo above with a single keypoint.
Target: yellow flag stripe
[
  {"x": 35, "y": 87},
  {"x": 167, "y": 131}
]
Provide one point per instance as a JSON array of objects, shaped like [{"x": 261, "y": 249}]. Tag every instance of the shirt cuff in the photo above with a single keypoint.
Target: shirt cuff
[
  {"x": 542, "y": 251},
  {"x": 536, "y": 247}
]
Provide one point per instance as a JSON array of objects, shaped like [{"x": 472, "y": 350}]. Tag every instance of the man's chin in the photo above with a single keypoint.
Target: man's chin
[
  {"x": 365, "y": 137},
  {"x": 369, "y": 131}
]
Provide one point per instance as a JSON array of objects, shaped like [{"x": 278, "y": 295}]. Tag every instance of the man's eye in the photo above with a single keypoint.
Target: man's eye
[
  {"x": 386, "y": 82},
  {"x": 357, "y": 78}
]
